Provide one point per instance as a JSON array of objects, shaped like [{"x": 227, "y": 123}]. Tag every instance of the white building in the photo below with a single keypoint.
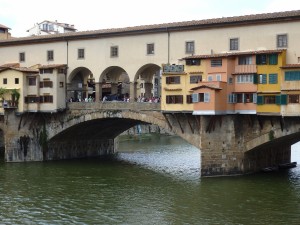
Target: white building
[{"x": 49, "y": 27}]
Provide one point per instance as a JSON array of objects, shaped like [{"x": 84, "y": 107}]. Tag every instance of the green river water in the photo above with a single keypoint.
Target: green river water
[{"x": 152, "y": 180}]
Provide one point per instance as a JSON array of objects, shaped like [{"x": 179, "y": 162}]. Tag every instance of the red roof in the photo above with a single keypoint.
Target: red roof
[{"x": 291, "y": 66}]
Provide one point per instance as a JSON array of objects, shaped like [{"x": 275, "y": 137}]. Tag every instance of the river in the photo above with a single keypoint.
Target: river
[{"x": 152, "y": 180}]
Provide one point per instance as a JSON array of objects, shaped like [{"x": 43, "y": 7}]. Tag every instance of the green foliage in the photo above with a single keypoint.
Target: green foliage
[
  {"x": 3, "y": 91},
  {"x": 15, "y": 93}
]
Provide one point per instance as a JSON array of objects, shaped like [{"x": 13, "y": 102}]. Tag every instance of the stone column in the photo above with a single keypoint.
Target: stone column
[
  {"x": 148, "y": 89},
  {"x": 132, "y": 94},
  {"x": 98, "y": 92},
  {"x": 114, "y": 88}
]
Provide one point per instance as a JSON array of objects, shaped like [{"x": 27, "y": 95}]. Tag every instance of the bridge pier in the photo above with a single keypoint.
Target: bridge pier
[{"x": 226, "y": 144}]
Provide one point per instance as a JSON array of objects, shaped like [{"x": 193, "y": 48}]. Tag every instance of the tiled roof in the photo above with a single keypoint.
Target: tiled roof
[
  {"x": 8, "y": 65},
  {"x": 291, "y": 66},
  {"x": 228, "y": 54},
  {"x": 21, "y": 69},
  {"x": 165, "y": 27},
  {"x": 52, "y": 66}
]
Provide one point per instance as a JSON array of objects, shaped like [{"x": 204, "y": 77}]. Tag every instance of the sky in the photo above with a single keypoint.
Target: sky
[{"x": 21, "y": 15}]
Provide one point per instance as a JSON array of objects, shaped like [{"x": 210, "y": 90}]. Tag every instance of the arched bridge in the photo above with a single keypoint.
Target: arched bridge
[{"x": 230, "y": 144}]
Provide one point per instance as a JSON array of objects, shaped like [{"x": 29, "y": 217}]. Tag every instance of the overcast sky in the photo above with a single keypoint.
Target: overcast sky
[{"x": 21, "y": 15}]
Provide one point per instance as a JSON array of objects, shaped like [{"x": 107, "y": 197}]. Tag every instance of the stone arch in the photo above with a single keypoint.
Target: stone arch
[
  {"x": 113, "y": 83},
  {"x": 112, "y": 121},
  {"x": 80, "y": 85},
  {"x": 147, "y": 81}
]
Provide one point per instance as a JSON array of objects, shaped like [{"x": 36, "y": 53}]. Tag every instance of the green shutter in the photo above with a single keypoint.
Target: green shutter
[
  {"x": 255, "y": 78},
  {"x": 278, "y": 99},
  {"x": 260, "y": 100},
  {"x": 273, "y": 59},
  {"x": 273, "y": 78},
  {"x": 283, "y": 100}
]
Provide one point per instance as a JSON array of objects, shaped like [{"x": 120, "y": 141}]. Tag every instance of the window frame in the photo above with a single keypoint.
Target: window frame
[
  {"x": 80, "y": 53},
  {"x": 282, "y": 43},
  {"x": 190, "y": 47},
  {"x": 50, "y": 55},
  {"x": 150, "y": 49},
  {"x": 114, "y": 51},
  {"x": 234, "y": 44},
  {"x": 22, "y": 57}
]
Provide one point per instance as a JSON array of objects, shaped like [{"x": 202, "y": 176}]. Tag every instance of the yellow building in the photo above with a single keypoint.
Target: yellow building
[
  {"x": 36, "y": 89},
  {"x": 269, "y": 99}
]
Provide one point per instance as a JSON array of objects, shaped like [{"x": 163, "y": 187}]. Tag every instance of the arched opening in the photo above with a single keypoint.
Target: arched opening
[
  {"x": 148, "y": 83},
  {"x": 114, "y": 84},
  {"x": 81, "y": 85}
]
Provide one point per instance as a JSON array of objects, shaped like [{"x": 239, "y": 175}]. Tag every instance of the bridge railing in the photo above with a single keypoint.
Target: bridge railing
[{"x": 108, "y": 105}]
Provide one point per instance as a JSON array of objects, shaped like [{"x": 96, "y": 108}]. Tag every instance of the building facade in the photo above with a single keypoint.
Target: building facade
[{"x": 245, "y": 64}]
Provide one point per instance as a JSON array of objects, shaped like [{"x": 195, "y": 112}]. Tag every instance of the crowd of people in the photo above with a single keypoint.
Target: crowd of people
[{"x": 116, "y": 98}]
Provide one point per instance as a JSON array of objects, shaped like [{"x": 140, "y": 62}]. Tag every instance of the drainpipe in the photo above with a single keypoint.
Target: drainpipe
[{"x": 168, "y": 45}]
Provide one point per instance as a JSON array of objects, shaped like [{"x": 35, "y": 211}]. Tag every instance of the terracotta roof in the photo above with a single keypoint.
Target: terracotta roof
[
  {"x": 21, "y": 69},
  {"x": 275, "y": 17},
  {"x": 52, "y": 66},
  {"x": 228, "y": 54},
  {"x": 291, "y": 66},
  {"x": 8, "y": 65},
  {"x": 206, "y": 86}
]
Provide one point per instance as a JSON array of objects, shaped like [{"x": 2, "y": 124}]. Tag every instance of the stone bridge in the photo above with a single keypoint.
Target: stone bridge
[{"x": 230, "y": 144}]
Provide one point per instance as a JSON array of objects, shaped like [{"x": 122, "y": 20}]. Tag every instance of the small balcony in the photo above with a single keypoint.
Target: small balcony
[
  {"x": 9, "y": 104},
  {"x": 245, "y": 69}
]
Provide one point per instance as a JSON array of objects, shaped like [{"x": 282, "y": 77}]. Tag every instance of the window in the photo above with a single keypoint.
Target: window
[
  {"x": 210, "y": 78},
  {"x": 50, "y": 55},
  {"x": 216, "y": 62},
  {"x": 174, "y": 99},
  {"x": 261, "y": 59},
  {"x": 31, "y": 81},
  {"x": 234, "y": 44},
  {"x": 46, "y": 84},
  {"x": 46, "y": 99},
  {"x": 80, "y": 53},
  {"x": 218, "y": 77},
  {"x": 114, "y": 51},
  {"x": 230, "y": 80},
  {"x": 61, "y": 84},
  {"x": 31, "y": 99},
  {"x": 273, "y": 78},
  {"x": 22, "y": 56},
  {"x": 4, "y": 80},
  {"x": 201, "y": 97},
  {"x": 16, "y": 80},
  {"x": 192, "y": 62},
  {"x": 262, "y": 78},
  {"x": 245, "y": 78},
  {"x": 194, "y": 79},
  {"x": 293, "y": 98},
  {"x": 190, "y": 47},
  {"x": 270, "y": 99},
  {"x": 42, "y": 71},
  {"x": 173, "y": 80},
  {"x": 245, "y": 60},
  {"x": 292, "y": 75},
  {"x": 282, "y": 41},
  {"x": 189, "y": 99},
  {"x": 242, "y": 98},
  {"x": 150, "y": 49}
]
